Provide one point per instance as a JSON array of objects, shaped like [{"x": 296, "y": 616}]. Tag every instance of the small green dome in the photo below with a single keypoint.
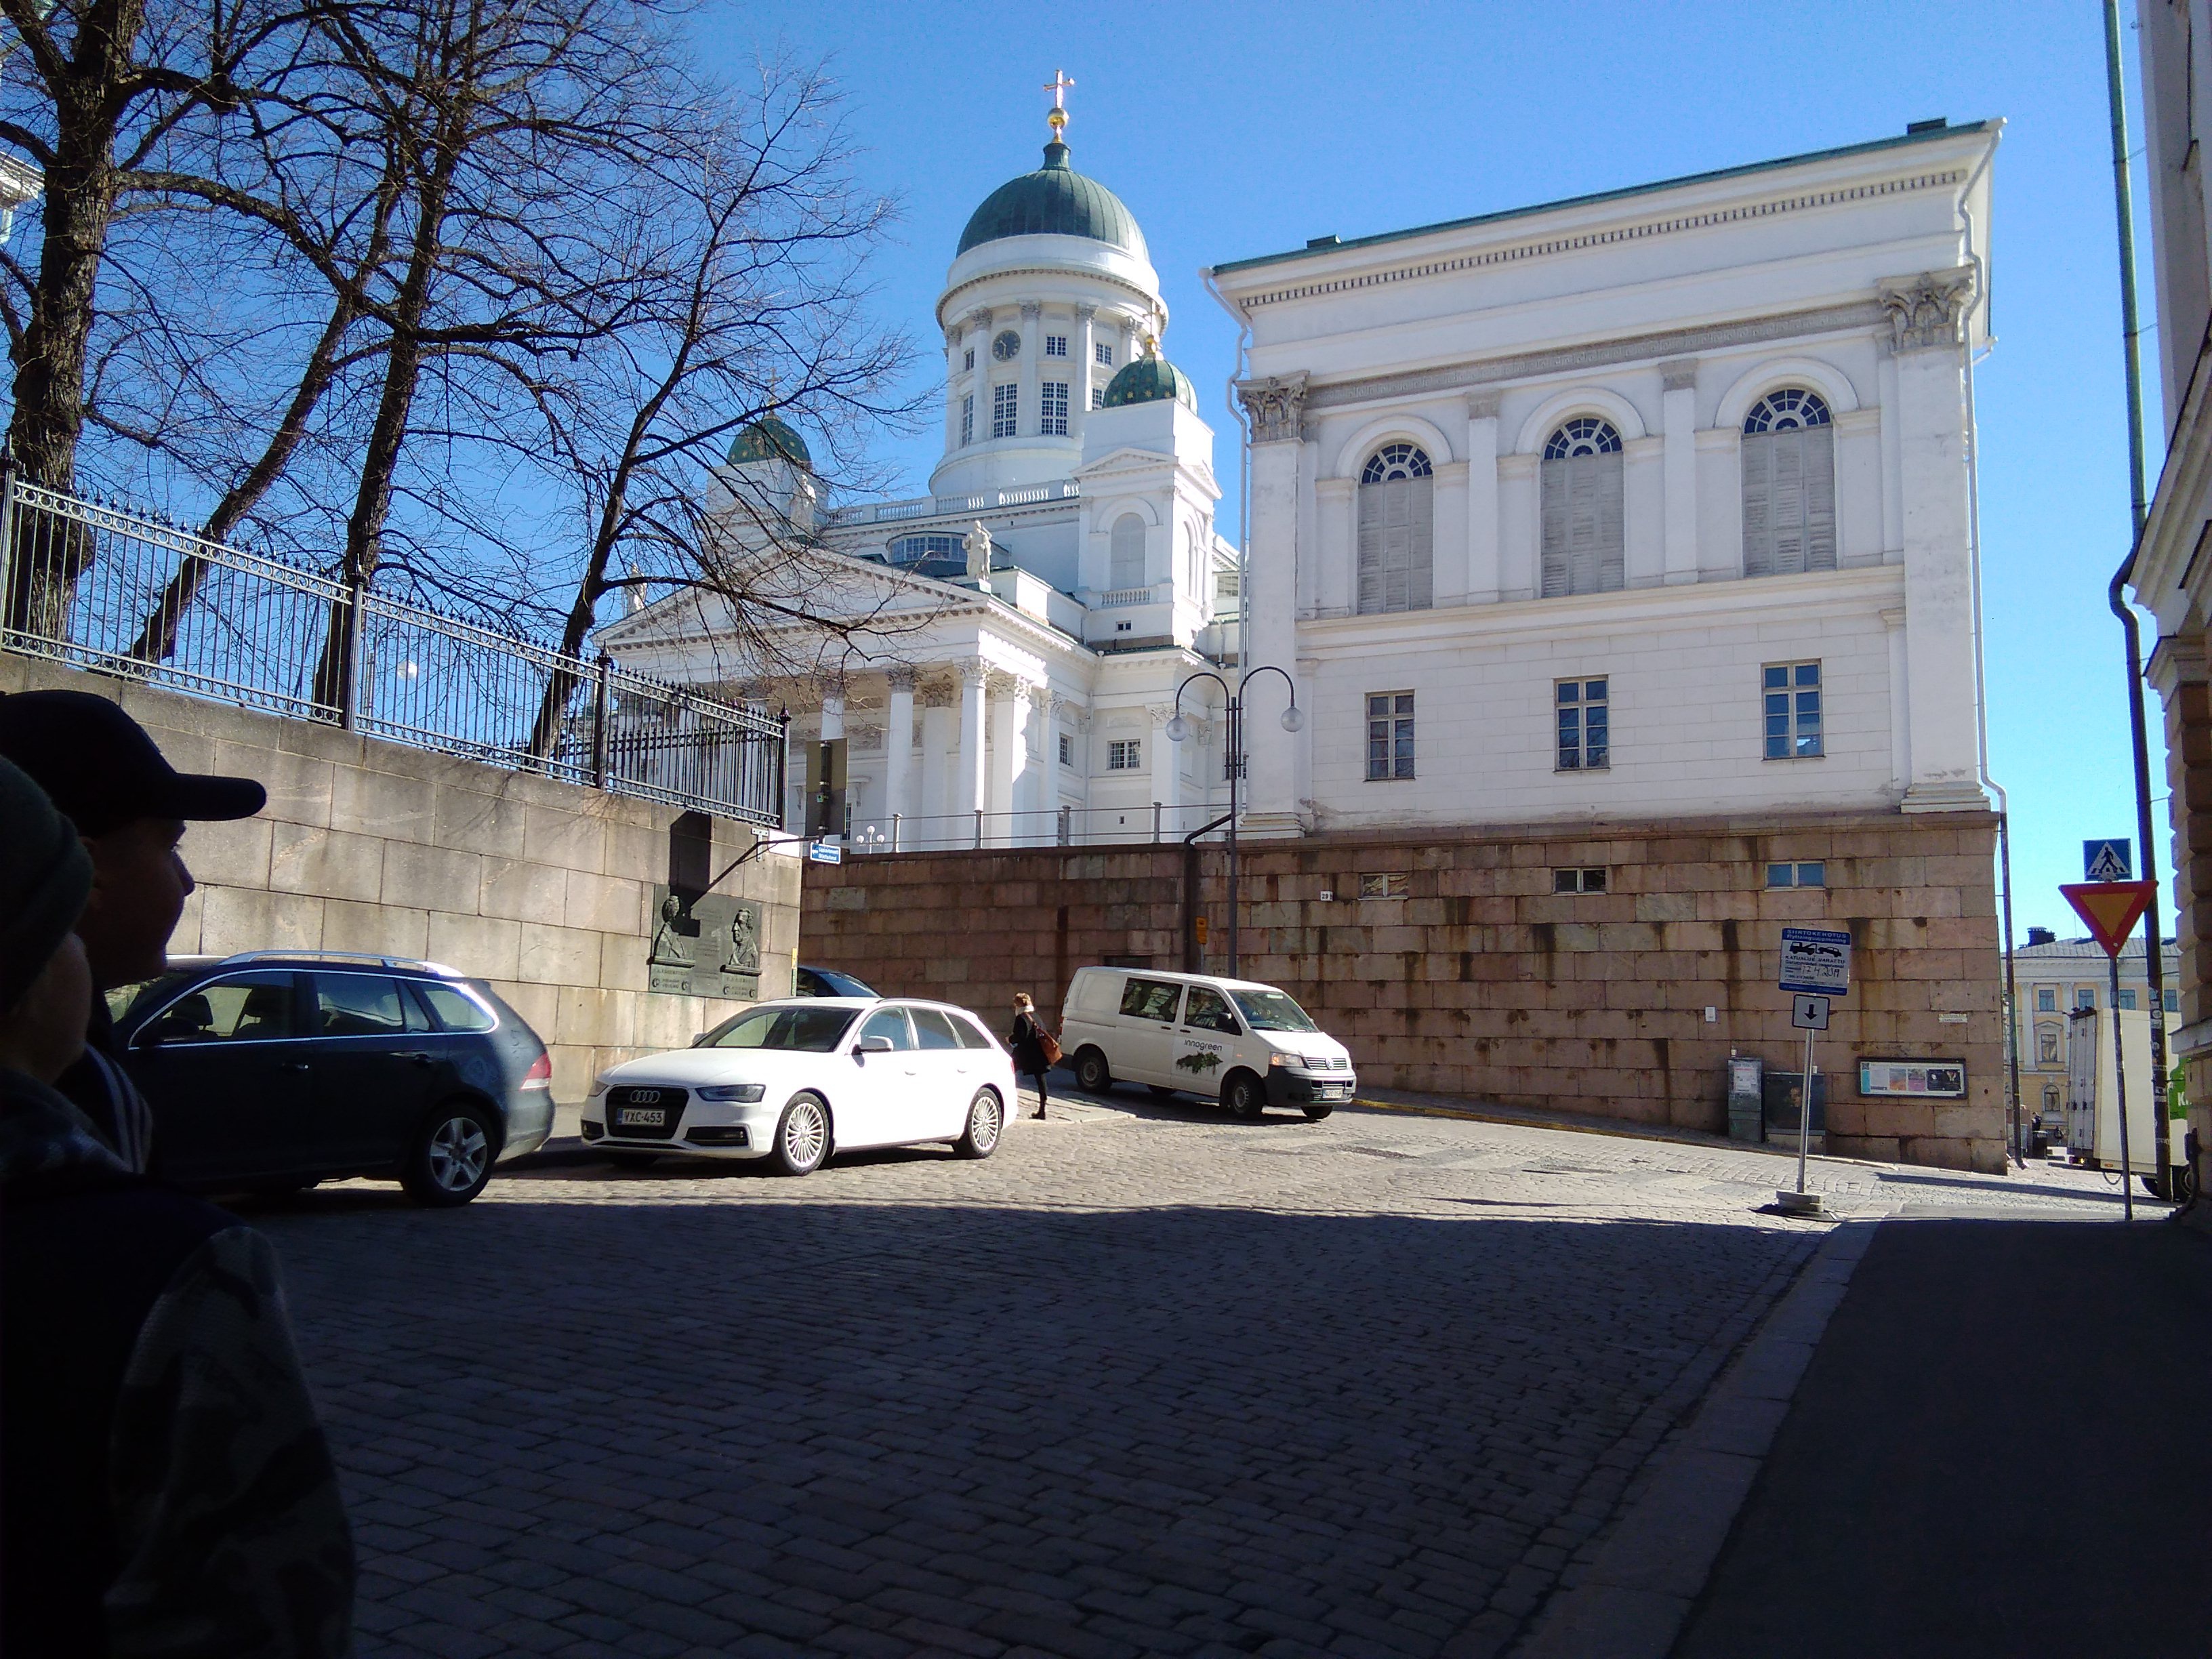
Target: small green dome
[
  {"x": 1150, "y": 380},
  {"x": 768, "y": 438},
  {"x": 1055, "y": 201}
]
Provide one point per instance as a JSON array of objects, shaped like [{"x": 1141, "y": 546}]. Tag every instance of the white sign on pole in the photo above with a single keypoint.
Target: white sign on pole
[
  {"x": 1810, "y": 1013},
  {"x": 1816, "y": 960}
]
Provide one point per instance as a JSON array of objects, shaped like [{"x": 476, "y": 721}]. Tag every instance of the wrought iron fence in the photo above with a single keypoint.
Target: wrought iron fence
[
  {"x": 104, "y": 588},
  {"x": 1062, "y": 826}
]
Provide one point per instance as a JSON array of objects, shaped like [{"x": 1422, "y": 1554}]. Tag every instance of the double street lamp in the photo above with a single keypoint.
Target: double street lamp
[{"x": 1179, "y": 728}]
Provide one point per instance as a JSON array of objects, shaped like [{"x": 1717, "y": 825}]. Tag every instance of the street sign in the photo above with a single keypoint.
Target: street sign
[
  {"x": 2110, "y": 907},
  {"x": 1810, "y": 1013},
  {"x": 2112, "y": 860},
  {"x": 825, "y": 851},
  {"x": 1815, "y": 960}
]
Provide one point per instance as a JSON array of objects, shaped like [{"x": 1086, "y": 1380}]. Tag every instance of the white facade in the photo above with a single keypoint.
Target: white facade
[{"x": 1647, "y": 327}]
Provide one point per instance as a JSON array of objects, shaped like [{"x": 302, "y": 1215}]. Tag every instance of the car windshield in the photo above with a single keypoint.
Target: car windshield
[
  {"x": 804, "y": 1030},
  {"x": 1271, "y": 1011},
  {"x": 125, "y": 998}
]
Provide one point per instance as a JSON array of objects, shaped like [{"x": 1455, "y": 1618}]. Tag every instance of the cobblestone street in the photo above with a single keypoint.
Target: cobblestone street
[{"x": 1148, "y": 1382}]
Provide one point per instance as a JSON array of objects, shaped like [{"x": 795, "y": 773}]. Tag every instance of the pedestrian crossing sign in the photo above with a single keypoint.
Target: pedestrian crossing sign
[{"x": 2108, "y": 861}]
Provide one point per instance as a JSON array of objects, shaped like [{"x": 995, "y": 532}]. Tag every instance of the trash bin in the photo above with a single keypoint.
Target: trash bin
[
  {"x": 1746, "y": 1102},
  {"x": 1783, "y": 1091}
]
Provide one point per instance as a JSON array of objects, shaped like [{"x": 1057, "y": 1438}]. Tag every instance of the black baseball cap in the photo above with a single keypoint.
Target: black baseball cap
[{"x": 103, "y": 770}]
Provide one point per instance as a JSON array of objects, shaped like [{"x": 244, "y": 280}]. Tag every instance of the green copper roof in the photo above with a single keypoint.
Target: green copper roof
[
  {"x": 1150, "y": 380},
  {"x": 768, "y": 438},
  {"x": 1920, "y": 133},
  {"x": 1055, "y": 201}
]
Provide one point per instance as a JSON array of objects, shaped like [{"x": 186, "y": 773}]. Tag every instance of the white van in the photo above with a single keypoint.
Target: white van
[{"x": 1247, "y": 1045}]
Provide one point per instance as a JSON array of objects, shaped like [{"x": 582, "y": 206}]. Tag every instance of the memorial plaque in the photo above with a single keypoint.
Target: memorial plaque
[{"x": 705, "y": 945}]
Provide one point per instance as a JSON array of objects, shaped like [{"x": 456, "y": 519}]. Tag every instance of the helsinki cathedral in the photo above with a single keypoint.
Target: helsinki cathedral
[{"x": 1012, "y": 642}]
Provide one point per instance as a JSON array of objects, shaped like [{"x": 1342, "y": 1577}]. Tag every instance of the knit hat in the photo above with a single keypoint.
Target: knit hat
[{"x": 45, "y": 876}]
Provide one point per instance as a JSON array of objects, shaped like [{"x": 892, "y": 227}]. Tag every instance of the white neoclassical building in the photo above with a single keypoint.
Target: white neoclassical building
[
  {"x": 1022, "y": 629},
  {"x": 1646, "y": 505}
]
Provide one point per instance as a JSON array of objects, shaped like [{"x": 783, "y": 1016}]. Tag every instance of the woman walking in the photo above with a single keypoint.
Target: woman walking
[{"x": 1035, "y": 1050}]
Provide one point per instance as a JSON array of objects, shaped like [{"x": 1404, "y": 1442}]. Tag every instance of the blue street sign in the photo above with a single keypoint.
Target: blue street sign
[
  {"x": 2108, "y": 861},
  {"x": 825, "y": 851}
]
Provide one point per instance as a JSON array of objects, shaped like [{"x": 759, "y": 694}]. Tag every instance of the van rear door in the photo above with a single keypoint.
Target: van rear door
[{"x": 1143, "y": 1035}]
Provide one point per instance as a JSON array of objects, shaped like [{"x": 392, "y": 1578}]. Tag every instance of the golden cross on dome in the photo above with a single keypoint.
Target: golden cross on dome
[{"x": 1059, "y": 86}]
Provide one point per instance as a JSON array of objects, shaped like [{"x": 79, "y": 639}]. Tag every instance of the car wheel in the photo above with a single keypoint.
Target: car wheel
[
  {"x": 1319, "y": 1109},
  {"x": 1244, "y": 1095},
  {"x": 1092, "y": 1074},
  {"x": 452, "y": 1156},
  {"x": 802, "y": 1137},
  {"x": 986, "y": 1117}
]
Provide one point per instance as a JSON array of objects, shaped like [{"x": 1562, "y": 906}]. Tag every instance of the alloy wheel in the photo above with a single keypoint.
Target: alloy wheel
[
  {"x": 459, "y": 1151},
  {"x": 804, "y": 1135}
]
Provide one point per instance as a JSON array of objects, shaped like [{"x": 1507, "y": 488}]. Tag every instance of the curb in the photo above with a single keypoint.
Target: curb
[
  {"x": 1633, "y": 1600},
  {"x": 1654, "y": 1134}
]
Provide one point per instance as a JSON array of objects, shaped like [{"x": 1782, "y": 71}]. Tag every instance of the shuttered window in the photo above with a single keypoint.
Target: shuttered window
[
  {"x": 1127, "y": 549},
  {"x": 1789, "y": 485},
  {"x": 1582, "y": 509},
  {"x": 1397, "y": 531}
]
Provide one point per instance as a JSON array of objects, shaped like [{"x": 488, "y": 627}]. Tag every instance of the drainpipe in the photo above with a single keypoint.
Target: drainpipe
[
  {"x": 1244, "y": 464},
  {"x": 2131, "y": 333},
  {"x": 1981, "y": 689}
]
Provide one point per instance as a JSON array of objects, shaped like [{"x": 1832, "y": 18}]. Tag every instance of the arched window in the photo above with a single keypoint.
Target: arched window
[
  {"x": 1397, "y": 531},
  {"x": 1582, "y": 509},
  {"x": 1789, "y": 485},
  {"x": 1127, "y": 545}
]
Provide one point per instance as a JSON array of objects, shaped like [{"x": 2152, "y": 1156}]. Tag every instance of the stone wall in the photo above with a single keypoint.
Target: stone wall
[
  {"x": 1474, "y": 978},
  {"x": 544, "y": 889}
]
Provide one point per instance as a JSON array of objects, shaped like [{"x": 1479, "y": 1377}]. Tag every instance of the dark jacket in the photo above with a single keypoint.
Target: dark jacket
[
  {"x": 164, "y": 1486},
  {"x": 98, "y": 1086},
  {"x": 1028, "y": 1053}
]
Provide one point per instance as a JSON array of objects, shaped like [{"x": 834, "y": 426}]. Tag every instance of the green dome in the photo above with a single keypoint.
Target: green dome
[
  {"x": 769, "y": 439},
  {"x": 1055, "y": 201},
  {"x": 1150, "y": 380}
]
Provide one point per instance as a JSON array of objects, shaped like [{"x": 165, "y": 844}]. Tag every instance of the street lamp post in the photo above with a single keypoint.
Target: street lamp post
[{"x": 1233, "y": 762}]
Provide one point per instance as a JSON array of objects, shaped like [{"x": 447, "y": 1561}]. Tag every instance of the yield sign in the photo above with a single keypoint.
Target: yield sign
[{"x": 2110, "y": 907}]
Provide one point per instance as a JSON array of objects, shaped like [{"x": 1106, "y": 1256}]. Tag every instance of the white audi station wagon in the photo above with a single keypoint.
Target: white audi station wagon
[{"x": 796, "y": 1081}]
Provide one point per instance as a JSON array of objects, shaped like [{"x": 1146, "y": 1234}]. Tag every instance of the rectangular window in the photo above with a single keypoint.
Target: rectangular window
[
  {"x": 2085, "y": 996},
  {"x": 1098, "y": 397},
  {"x": 1389, "y": 735},
  {"x": 1124, "y": 754},
  {"x": 2127, "y": 997},
  {"x": 1066, "y": 749},
  {"x": 968, "y": 419},
  {"x": 968, "y": 360},
  {"x": 1796, "y": 875},
  {"x": 1104, "y": 355},
  {"x": 1055, "y": 408},
  {"x": 1578, "y": 881},
  {"x": 1792, "y": 695},
  {"x": 1006, "y": 408},
  {"x": 2173, "y": 1002},
  {"x": 1055, "y": 345},
  {"x": 2046, "y": 1000},
  {"x": 1585, "y": 725}
]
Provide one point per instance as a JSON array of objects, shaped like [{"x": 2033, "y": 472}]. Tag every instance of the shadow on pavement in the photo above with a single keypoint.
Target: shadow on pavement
[
  {"x": 1997, "y": 1450},
  {"x": 1983, "y": 1186}
]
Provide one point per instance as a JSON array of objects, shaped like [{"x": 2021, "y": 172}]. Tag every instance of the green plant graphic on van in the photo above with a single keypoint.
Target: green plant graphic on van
[{"x": 1198, "y": 1062}]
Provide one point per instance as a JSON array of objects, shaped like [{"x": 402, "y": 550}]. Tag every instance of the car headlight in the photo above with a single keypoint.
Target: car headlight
[
  {"x": 599, "y": 1087},
  {"x": 742, "y": 1092},
  {"x": 1282, "y": 1060}
]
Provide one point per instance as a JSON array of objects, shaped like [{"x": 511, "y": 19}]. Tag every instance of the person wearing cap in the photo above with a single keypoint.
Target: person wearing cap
[
  {"x": 130, "y": 806},
  {"x": 165, "y": 1488}
]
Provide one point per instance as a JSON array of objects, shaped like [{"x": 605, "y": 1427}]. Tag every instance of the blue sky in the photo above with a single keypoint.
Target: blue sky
[{"x": 1235, "y": 129}]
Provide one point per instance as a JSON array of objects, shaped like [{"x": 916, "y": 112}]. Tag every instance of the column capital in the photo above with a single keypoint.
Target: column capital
[
  {"x": 1275, "y": 406},
  {"x": 972, "y": 671},
  {"x": 1927, "y": 312},
  {"x": 979, "y": 319},
  {"x": 1679, "y": 375},
  {"x": 1483, "y": 405},
  {"x": 1086, "y": 311},
  {"x": 1893, "y": 617},
  {"x": 902, "y": 679},
  {"x": 1031, "y": 310}
]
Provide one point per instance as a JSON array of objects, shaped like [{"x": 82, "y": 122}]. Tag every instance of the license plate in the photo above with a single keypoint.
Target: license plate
[
  {"x": 641, "y": 1117},
  {"x": 1336, "y": 1088}
]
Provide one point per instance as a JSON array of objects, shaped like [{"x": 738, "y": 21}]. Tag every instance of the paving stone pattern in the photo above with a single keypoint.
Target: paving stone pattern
[{"x": 1148, "y": 1382}]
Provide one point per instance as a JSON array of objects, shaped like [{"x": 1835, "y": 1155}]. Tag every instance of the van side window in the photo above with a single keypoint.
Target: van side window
[
  {"x": 1208, "y": 1010},
  {"x": 1151, "y": 999}
]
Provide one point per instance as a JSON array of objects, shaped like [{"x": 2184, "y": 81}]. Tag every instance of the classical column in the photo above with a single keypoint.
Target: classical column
[
  {"x": 953, "y": 373},
  {"x": 1006, "y": 762},
  {"x": 833, "y": 731},
  {"x": 1166, "y": 758},
  {"x": 1482, "y": 578},
  {"x": 1447, "y": 533},
  {"x": 1079, "y": 372},
  {"x": 1518, "y": 574},
  {"x": 939, "y": 724},
  {"x": 1336, "y": 589},
  {"x": 1032, "y": 399},
  {"x": 1900, "y": 700},
  {"x": 979, "y": 383},
  {"x": 1274, "y": 409},
  {"x": 1927, "y": 346},
  {"x": 1678, "y": 421},
  {"x": 898, "y": 750},
  {"x": 1033, "y": 762},
  {"x": 969, "y": 785},
  {"x": 1643, "y": 507}
]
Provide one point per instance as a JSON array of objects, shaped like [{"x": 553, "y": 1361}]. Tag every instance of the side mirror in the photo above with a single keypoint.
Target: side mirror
[{"x": 873, "y": 1045}]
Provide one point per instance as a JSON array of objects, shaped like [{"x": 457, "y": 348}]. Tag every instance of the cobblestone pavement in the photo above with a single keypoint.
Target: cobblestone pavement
[{"x": 1148, "y": 1382}]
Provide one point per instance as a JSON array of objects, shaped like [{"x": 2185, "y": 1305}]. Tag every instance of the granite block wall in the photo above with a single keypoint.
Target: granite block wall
[
  {"x": 542, "y": 888},
  {"x": 1471, "y": 977}
]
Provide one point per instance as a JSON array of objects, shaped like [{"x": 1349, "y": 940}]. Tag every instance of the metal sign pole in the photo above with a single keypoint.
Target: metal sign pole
[
  {"x": 2120, "y": 1094},
  {"x": 1805, "y": 1110}
]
